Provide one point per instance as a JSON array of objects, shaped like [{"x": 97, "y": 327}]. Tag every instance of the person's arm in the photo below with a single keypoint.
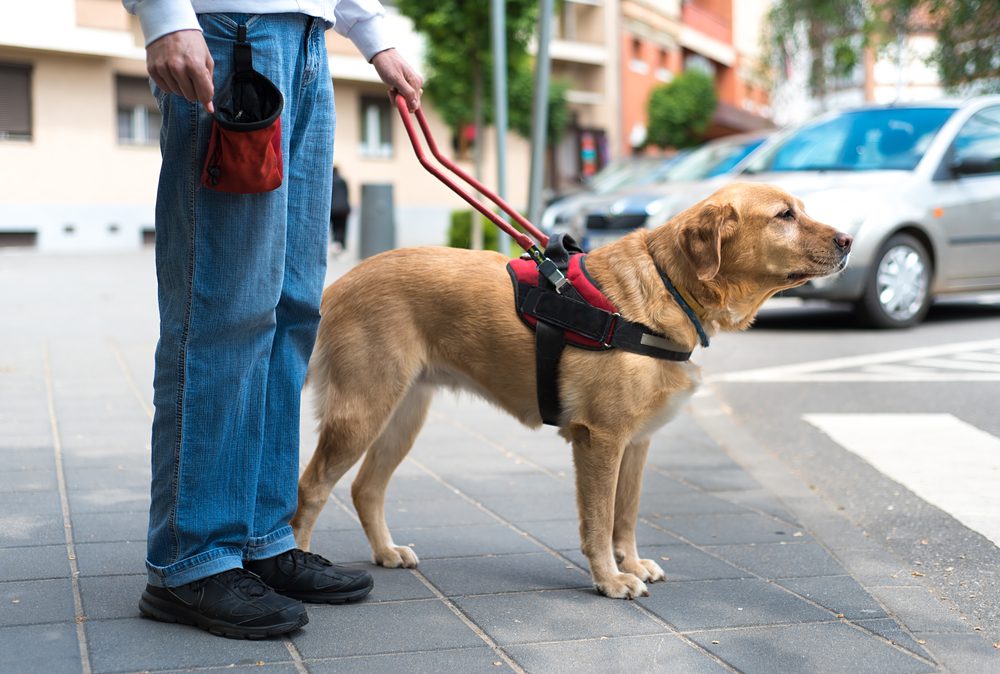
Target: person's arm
[
  {"x": 361, "y": 21},
  {"x": 177, "y": 57}
]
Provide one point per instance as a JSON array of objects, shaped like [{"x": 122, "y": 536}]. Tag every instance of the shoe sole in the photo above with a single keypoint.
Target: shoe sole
[
  {"x": 168, "y": 612},
  {"x": 328, "y": 598}
]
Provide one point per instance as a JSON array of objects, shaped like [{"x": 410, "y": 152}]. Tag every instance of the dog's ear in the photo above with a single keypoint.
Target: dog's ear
[{"x": 700, "y": 238}]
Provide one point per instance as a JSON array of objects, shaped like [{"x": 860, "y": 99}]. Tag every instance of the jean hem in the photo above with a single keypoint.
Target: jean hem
[
  {"x": 271, "y": 545},
  {"x": 194, "y": 568}
]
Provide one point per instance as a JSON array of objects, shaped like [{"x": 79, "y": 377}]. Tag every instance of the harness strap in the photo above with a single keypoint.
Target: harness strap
[
  {"x": 549, "y": 345},
  {"x": 599, "y": 325}
]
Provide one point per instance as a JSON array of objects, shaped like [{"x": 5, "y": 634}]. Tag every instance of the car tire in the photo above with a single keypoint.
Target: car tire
[{"x": 897, "y": 291}]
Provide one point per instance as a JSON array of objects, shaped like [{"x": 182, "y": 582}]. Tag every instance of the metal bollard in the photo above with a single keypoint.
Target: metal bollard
[{"x": 378, "y": 219}]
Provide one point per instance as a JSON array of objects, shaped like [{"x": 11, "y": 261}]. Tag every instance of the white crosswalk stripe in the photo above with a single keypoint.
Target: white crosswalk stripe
[
  {"x": 943, "y": 460},
  {"x": 961, "y": 362}
]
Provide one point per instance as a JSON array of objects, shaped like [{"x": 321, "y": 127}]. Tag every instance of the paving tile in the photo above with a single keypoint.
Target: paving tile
[
  {"x": 718, "y": 478},
  {"x": 889, "y": 629},
  {"x": 403, "y": 488},
  {"x": 111, "y": 597},
  {"x": 50, "y": 648},
  {"x": 760, "y": 500},
  {"x": 464, "y": 541},
  {"x": 780, "y": 560},
  {"x": 873, "y": 566},
  {"x": 17, "y": 530},
  {"x": 334, "y": 517},
  {"x": 136, "y": 644},
  {"x": 111, "y": 559},
  {"x": 565, "y": 534},
  {"x": 29, "y": 602},
  {"x": 41, "y": 503},
  {"x": 840, "y": 594},
  {"x": 29, "y": 458},
  {"x": 506, "y": 573},
  {"x": 390, "y": 627},
  {"x": 342, "y": 545},
  {"x": 105, "y": 527},
  {"x": 532, "y": 617},
  {"x": 661, "y": 653},
  {"x": 114, "y": 500},
  {"x": 694, "y": 503},
  {"x": 34, "y": 563},
  {"x": 920, "y": 610},
  {"x": 731, "y": 529},
  {"x": 393, "y": 584},
  {"x": 964, "y": 653},
  {"x": 680, "y": 562},
  {"x": 505, "y": 484},
  {"x": 458, "y": 660},
  {"x": 434, "y": 513},
  {"x": 828, "y": 647},
  {"x": 109, "y": 477},
  {"x": 699, "y": 605},
  {"x": 532, "y": 507}
]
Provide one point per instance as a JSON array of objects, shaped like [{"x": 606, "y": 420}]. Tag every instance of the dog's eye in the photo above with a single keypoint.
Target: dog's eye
[{"x": 787, "y": 214}]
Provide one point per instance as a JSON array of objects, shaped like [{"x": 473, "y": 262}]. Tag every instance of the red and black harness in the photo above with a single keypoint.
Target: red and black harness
[{"x": 579, "y": 314}]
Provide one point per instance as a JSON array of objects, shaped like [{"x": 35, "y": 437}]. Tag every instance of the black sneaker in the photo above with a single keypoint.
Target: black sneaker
[
  {"x": 234, "y": 604},
  {"x": 308, "y": 577}
]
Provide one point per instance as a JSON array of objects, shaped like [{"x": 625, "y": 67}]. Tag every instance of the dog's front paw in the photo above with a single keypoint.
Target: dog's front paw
[
  {"x": 645, "y": 570},
  {"x": 396, "y": 557},
  {"x": 622, "y": 586}
]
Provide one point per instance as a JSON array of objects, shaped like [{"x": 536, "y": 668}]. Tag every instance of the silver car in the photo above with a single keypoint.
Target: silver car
[
  {"x": 917, "y": 185},
  {"x": 602, "y": 218}
]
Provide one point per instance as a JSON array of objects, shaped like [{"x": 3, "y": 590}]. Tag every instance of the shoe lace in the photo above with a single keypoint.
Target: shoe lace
[
  {"x": 308, "y": 560},
  {"x": 244, "y": 581}
]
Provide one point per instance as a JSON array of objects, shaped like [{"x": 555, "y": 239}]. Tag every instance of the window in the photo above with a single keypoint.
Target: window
[
  {"x": 376, "y": 126},
  {"x": 15, "y": 101},
  {"x": 979, "y": 139},
  {"x": 138, "y": 117}
]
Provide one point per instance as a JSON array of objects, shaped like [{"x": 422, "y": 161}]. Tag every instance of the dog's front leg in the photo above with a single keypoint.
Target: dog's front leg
[
  {"x": 627, "y": 512},
  {"x": 597, "y": 459}
]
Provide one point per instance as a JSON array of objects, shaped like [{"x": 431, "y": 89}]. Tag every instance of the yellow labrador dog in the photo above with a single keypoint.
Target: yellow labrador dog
[{"x": 406, "y": 321}]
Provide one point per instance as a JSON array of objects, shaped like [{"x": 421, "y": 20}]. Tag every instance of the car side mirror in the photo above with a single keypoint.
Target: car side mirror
[{"x": 974, "y": 165}]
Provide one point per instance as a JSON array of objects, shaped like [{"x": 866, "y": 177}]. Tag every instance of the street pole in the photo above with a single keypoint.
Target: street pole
[
  {"x": 499, "y": 22},
  {"x": 540, "y": 113}
]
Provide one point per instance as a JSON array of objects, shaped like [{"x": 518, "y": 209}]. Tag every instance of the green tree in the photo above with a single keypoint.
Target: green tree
[
  {"x": 679, "y": 112},
  {"x": 968, "y": 43},
  {"x": 834, "y": 33},
  {"x": 459, "y": 59}
]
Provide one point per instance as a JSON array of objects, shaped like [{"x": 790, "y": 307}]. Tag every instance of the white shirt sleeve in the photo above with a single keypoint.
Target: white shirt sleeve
[
  {"x": 362, "y": 22},
  {"x": 159, "y": 17}
]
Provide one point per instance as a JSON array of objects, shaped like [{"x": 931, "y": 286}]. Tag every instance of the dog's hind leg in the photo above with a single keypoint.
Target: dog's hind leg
[
  {"x": 385, "y": 455},
  {"x": 338, "y": 449},
  {"x": 627, "y": 512},
  {"x": 597, "y": 459}
]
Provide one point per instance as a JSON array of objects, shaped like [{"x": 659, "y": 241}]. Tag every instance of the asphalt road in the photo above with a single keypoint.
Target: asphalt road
[{"x": 832, "y": 401}]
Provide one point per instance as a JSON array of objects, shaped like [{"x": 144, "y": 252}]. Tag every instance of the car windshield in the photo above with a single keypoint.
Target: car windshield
[
  {"x": 711, "y": 160},
  {"x": 618, "y": 174},
  {"x": 863, "y": 140}
]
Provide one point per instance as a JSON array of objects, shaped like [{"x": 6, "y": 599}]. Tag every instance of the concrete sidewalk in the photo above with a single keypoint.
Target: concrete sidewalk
[{"x": 762, "y": 575}]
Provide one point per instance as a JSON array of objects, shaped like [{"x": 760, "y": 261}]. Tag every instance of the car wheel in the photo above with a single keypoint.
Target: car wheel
[{"x": 897, "y": 294}]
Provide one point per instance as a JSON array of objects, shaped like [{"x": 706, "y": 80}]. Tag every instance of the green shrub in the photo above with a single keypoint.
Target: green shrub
[{"x": 460, "y": 231}]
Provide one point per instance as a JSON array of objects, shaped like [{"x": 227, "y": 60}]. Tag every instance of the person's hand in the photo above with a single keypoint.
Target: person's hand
[
  {"x": 181, "y": 64},
  {"x": 401, "y": 78}
]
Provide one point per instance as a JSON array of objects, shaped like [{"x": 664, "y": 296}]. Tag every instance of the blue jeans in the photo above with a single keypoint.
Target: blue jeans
[{"x": 240, "y": 278}]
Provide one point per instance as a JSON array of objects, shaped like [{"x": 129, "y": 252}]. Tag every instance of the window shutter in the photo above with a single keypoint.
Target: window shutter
[
  {"x": 133, "y": 92},
  {"x": 15, "y": 100}
]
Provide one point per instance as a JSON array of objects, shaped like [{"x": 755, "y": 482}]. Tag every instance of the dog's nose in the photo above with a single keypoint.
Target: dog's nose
[{"x": 844, "y": 241}]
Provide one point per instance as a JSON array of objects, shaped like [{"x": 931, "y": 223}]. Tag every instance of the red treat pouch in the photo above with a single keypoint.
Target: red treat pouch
[{"x": 244, "y": 149}]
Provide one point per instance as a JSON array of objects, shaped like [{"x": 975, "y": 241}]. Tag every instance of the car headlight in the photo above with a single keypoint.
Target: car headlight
[{"x": 659, "y": 212}]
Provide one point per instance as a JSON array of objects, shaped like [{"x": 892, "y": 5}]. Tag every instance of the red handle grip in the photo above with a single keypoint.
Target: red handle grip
[{"x": 524, "y": 241}]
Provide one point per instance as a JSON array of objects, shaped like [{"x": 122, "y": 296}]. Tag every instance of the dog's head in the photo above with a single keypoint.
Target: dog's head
[{"x": 745, "y": 243}]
